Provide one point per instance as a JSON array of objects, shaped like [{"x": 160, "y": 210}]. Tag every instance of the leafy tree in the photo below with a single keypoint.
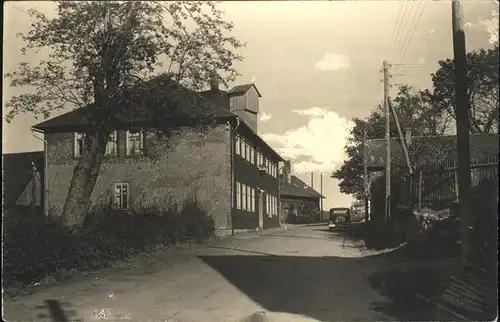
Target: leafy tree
[
  {"x": 413, "y": 112},
  {"x": 483, "y": 89},
  {"x": 101, "y": 57}
]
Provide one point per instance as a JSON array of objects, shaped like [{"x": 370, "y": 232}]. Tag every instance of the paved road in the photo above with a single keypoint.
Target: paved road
[{"x": 302, "y": 274}]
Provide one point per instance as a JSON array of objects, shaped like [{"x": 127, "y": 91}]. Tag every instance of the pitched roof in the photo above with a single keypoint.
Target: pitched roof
[
  {"x": 17, "y": 173},
  {"x": 240, "y": 89},
  {"x": 298, "y": 188},
  {"x": 212, "y": 104},
  {"x": 194, "y": 106},
  {"x": 481, "y": 145}
]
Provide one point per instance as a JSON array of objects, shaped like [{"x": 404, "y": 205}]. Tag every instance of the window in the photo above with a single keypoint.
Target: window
[
  {"x": 79, "y": 144},
  {"x": 268, "y": 205},
  {"x": 134, "y": 142},
  {"x": 243, "y": 148},
  {"x": 247, "y": 151},
  {"x": 121, "y": 196},
  {"x": 252, "y": 155},
  {"x": 244, "y": 197},
  {"x": 238, "y": 146},
  {"x": 252, "y": 198},
  {"x": 238, "y": 195},
  {"x": 249, "y": 198},
  {"x": 111, "y": 147}
]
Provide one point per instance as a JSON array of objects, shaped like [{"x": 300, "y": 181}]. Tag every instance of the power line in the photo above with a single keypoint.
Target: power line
[
  {"x": 405, "y": 37},
  {"x": 415, "y": 29},
  {"x": 415, "y": 65},
  {"x": 398, "y": 30},
  {"x": 391, "y": 41}
]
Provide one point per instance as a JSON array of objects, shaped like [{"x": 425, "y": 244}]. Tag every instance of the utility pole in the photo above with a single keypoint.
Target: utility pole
[
  {"x": 312, "y": 179},
  {"x": 463, "y": 142},
  {"x": 387, "y": 146},
  {"x": 365, "y": 170},
  {"x": 321, "y": 191},
  {"x": 33, "y": 189}
]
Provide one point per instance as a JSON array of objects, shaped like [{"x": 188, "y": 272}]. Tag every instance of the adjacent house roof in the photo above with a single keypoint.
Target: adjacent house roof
[
  {"x": 298, "y": 188},
  {"x": 481, "y": 145},
  {"x": 17, "y": 173}
]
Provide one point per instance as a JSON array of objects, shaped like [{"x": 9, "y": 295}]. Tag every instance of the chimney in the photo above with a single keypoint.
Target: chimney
[
  {"x": 408, "y": 136},
  {"x": 287, "y": 172},
  {"x": 214, "y": 81}
]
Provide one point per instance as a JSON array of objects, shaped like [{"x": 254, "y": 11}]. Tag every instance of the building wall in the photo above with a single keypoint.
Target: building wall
[
  {"x": 190, "y": 163},
  {"x": 248, "y": 174}
]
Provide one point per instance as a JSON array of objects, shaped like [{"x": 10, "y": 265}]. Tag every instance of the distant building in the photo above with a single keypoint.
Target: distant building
[
  {"x": 299, "y": 202},
  {"x": 437, "y": 188}
]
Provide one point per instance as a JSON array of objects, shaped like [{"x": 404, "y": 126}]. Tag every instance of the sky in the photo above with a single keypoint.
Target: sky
[{"x": 316, "y": 63}]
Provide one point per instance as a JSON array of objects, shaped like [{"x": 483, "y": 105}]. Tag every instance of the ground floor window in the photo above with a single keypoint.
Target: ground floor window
[
  {"x": 271, "y": 205},
  {"x": 245, "y": 197},
  {"x": 122, "y": 196}
]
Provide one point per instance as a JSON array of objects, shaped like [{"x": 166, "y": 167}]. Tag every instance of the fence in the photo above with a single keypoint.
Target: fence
[{"x": 436, "y": 185}]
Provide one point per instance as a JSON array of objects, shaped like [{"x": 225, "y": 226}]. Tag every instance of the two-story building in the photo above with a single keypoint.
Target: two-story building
[{"x": 226, "y": 166}]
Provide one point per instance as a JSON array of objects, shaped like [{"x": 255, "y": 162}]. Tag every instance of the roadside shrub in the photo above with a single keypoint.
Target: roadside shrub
[{"x": 35, "y": 248}]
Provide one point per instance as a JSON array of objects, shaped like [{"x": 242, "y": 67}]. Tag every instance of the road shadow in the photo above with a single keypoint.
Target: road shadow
[
  {"x": 331, "y": 288},
  {"x": 58, "y": 311}
]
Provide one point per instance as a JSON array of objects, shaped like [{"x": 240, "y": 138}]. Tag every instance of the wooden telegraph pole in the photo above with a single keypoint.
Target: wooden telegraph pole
[
  {"x": 387, "y": 146},
  {"x": 365, "y": 170},
  {"x": 321, "y": 191},
  {"x": 463, "y": 143}
]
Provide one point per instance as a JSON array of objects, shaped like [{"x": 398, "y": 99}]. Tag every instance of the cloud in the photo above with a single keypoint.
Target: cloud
[
  {"x": 488, "y": 25},
  {"x": 316, "y": 146},
  {"x": 314, "y": 111},
  {"x": 332, "y": 61},
  {"x": 491, "y": 26},
  {"x": 265, "y": 117}
]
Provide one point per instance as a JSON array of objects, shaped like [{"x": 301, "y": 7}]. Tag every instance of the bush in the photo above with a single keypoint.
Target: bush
[{"x": 34, "y": 249}]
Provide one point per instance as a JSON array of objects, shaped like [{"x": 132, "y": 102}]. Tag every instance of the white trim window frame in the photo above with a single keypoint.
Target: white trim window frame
[
  {"x": 79, "y": 144},
  {"x": 243, "y": 148},
  {"x": 238, "y": 145},
  {"x": 238, "y": 195},
  {"x": 252, "y": 198},
  {"x": 244, "y": 197},
  {"x": 252, "y": 154},
  {"x": 249, "y": 198},
  {"x": 121, "y": 196},
  {"x": 138, "y": 144},
  {"x": 268, "y": 199},
  {"x": 112, "y": 145}
]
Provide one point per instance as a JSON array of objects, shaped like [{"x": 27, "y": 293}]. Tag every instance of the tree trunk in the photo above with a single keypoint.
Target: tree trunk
[{"x": 82, "y": 184}]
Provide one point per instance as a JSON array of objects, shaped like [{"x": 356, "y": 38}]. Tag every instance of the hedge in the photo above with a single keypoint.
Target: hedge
[{"x": 38, "y": 247}]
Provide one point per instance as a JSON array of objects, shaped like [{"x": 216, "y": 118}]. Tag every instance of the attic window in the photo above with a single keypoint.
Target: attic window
[
  {"x": 111, "y": 147},
  {"x": 135, "y": 142}
]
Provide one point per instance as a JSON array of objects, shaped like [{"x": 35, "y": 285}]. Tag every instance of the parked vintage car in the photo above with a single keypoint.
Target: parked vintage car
[{"x": 340, "y": 218}]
